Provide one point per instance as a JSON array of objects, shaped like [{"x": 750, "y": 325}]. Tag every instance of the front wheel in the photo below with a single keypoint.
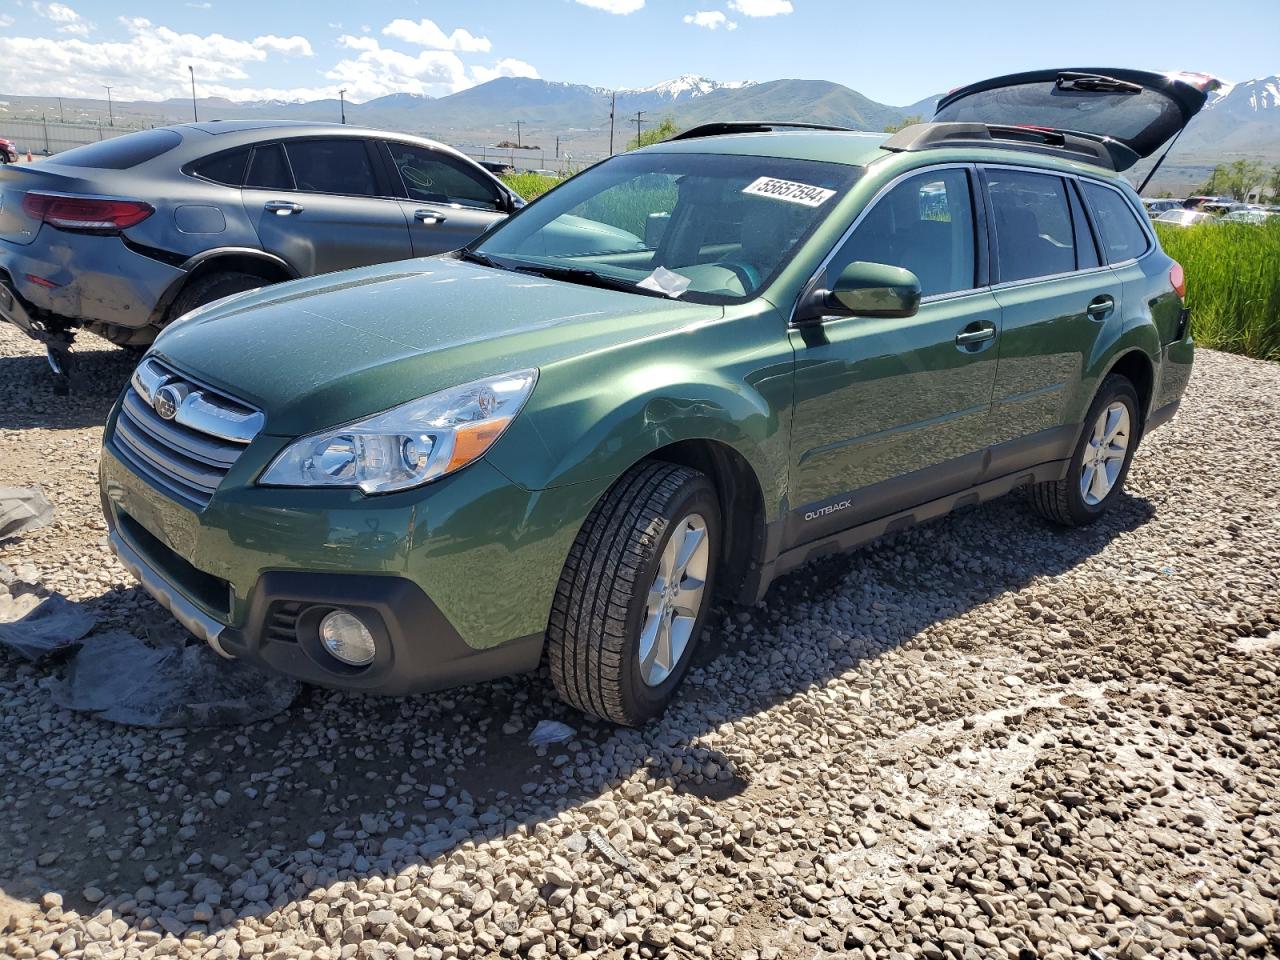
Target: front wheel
[
  {"x": 634, "y": 593},
  {"x": 1100, "y": 464}
]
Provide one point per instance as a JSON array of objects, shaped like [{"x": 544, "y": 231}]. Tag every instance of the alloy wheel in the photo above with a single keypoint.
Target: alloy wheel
[
  {"x": 674, "y": 600},
  {"x": 1105, "y": 454}
]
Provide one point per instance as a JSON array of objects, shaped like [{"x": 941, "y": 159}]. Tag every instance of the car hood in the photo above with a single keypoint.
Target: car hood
[{"x": 322, "y": 351}]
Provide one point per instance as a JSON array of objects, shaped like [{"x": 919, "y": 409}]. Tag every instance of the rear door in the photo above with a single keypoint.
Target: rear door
[
  {"x": 448, "y": 202},
  {"x": 1057, "y": 298},
  {"x": 321, "y": 204},
  {"x": 1132, "y": 112}
]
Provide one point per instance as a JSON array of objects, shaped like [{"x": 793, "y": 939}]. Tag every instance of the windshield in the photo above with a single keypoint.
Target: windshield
[{"x": 710, "y": 228}]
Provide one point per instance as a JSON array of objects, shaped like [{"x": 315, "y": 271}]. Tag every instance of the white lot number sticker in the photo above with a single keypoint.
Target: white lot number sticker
[{"x": 790, "y": 191}]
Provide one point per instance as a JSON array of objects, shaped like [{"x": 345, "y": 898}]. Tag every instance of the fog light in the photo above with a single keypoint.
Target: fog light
[{"x": 344, "y": 636}]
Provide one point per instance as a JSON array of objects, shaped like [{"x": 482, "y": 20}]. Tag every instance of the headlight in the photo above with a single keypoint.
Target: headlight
[{"x": 407, "y": 445}]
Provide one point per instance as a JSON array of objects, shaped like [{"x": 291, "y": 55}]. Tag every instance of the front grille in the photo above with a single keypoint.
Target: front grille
[{"x": 187, "y": 453}]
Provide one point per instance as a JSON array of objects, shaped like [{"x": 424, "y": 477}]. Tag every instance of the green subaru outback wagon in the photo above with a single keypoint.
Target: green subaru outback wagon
[{"x": 678, "y": 375}]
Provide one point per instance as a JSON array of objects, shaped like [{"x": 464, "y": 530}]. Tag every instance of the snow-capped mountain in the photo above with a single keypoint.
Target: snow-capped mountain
[
  {"x": 688, "y": 86},
  {"x": 1242, "y": 119}
]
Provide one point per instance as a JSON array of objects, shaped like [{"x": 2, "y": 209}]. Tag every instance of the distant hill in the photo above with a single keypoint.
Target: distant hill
[{"x": 1243, "y": 120}]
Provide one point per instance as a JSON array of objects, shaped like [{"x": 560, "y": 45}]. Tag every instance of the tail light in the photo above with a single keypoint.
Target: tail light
[
  {"x": 86, "y": 214},
  {"x": 1179, "y": 280}
]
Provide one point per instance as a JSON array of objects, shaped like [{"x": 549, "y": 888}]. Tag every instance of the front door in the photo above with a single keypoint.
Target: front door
[
  {"x": 449, "y": 203},
  {"x": 316, "y": 203},
  {"x": 891, "y": 413}
]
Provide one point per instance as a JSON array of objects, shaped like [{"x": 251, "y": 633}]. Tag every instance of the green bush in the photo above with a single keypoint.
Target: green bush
[
  {"x": 529, "y": 185},
  {"x": 1233, "y": 283}
]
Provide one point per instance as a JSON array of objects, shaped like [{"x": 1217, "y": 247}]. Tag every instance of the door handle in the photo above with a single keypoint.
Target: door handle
[
  {"x": 1100, "y": 307},
  {"x": 429, "y": 216},
  {"x": 282, "y": 208},
  {"x": 976, "y": 334}
]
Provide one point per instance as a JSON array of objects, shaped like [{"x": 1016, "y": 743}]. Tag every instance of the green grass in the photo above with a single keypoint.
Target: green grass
[
  {"x": 1233, "y": 284},
  {"x": 529, "y": 185}
]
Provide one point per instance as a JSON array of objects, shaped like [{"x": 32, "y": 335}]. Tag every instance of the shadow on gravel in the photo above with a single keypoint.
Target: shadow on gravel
[
  {"x": 27, "y": 400},
  {"x": 344, "y": 786}
]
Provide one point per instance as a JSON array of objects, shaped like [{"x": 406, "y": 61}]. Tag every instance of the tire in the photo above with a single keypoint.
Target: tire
[
  {"x": 602, "y": 603},
  {"x": 1067, "y": 502},
  {"x": 211, "y": 287}
]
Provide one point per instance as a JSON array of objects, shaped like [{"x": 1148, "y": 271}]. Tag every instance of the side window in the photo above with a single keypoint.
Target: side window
[
  {"x": 1122, "y": 236},
  {"x": 1034, "y": 236},
  {"x": 225, "y": 168},
  {"x": 332, "y": 166},
  {"x": 924, "y": 224},
  {"x": 432, "y": 177},
  {"x": 268, "y": 169},
  {"x": 1086, "y": 249}
]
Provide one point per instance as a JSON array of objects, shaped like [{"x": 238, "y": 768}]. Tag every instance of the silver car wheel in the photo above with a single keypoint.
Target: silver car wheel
[
  {"x": 675, "y": 599},
  {"x": 1104, "y": 456}
]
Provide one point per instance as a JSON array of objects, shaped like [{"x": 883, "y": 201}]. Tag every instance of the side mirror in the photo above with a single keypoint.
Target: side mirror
[{"x": 866, "y": 289}]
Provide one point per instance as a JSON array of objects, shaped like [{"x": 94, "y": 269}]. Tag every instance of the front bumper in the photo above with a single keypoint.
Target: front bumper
[
  {"x": 96, "y": 278},
  {"x": 454, "y": 580}
]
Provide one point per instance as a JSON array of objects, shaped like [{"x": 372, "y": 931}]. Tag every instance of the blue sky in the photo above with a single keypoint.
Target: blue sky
[{"x": 895, "y": 52}]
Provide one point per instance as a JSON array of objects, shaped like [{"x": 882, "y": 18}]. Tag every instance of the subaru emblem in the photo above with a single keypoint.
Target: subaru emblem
[{"x": 168, "y": 398}]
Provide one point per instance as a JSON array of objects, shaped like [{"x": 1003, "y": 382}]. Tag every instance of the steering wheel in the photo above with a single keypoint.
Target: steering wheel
[{"x": 747, "y": 274}]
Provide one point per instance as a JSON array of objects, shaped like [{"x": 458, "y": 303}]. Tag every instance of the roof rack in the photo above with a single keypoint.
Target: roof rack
[
  {"x": 926, "y": 136},
  {"x": 752, "y": 126}
]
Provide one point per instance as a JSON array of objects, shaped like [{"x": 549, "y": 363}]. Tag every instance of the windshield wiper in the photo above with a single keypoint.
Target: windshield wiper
[
  {"x": 1095, "y": 83},
  {"x": 472, "y": 256},
  {"x": 584, "y": 276}
]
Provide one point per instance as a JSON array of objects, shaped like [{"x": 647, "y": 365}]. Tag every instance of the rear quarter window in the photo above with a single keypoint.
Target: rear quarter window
[
  {"x": 1122, "y": 235},
  {"x": 121, "y": 153},
  {"x": 225, "y": 168}
]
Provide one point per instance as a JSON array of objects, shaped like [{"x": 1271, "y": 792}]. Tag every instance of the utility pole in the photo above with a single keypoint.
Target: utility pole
[
  {"x": 639, "y": 119},
  {"x": 519, "y": 141},
  {"x": 342, "y": 103},
  {"x": 613, "y": 108},
  {"x": 195, "y": 116},
  {"x": 111, "y": 120},
  {"x": 557, "y": 146},
  {"x": 61, "y": 118}
]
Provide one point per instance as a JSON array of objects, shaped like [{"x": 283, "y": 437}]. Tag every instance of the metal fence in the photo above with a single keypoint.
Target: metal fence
[
  {"x": 519, "y": 159},
  {"x": 44, "y": 136}
]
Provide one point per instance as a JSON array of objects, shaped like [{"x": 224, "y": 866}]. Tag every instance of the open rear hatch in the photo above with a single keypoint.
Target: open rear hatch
[{"x": 1132, "y": 113}]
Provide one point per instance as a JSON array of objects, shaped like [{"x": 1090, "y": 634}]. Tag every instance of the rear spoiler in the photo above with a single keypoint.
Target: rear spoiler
[{"x": 927, "y": 136}]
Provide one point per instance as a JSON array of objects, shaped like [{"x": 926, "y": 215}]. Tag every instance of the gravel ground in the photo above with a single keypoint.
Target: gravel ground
[{"x": 982, "y": 738}]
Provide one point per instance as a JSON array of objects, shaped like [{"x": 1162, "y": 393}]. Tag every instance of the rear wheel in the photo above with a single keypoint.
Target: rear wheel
[
  {"x": 634, "y": 593},
  {"x": 1100, "y": 464},
  {"x": 211, "y": 287}
]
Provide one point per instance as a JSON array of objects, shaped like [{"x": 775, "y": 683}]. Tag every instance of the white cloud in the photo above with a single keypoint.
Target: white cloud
[
  {"x": 761, "y": 8},
  {"x": 150, "y": 63},
  {"x": 5, "y": 20},
  {"x": 358, "y": 43},
  {"x": 622, "y": 7},
  {"x": 507, "y": 67},
  {"x": 711, "y": 19},
  {"x": 378, "y": 71},
  {"x": 68, "y": 20},
  {"x": 425, "y": 33},
  {"x": 294, "y": 46}
]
